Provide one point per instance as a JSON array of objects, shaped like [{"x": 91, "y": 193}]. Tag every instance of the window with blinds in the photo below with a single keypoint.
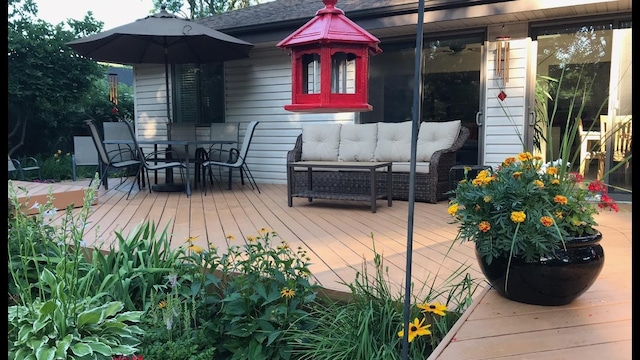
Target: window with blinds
[{"x": 199, "y": 93}]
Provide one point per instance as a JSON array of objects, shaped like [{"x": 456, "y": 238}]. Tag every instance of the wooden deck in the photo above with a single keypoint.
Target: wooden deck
[{"x": 338, "y": 238}]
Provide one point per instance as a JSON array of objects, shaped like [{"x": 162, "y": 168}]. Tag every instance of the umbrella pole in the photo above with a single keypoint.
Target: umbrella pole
[{"x": 166, "y": 81}]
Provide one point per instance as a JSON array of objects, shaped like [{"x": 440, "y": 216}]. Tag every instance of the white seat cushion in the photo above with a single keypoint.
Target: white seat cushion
[
  {"x": 358, "y": 142},
  {"x": 320, "y": 141},
  {"x": 394, "y": 141},
  {"x": 434, "y": 136}
]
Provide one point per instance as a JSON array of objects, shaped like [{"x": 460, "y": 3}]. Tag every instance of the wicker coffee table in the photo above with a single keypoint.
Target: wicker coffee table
[{"x": 336, "y": 193}]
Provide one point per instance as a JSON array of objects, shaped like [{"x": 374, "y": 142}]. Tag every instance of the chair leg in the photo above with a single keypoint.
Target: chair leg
[
  {"x": 250, "y": 177},
  {"x": 230, "y": 177},
  {"x": 133, "y": 182}
]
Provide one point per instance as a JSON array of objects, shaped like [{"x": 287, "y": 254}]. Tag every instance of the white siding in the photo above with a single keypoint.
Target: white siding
[
  {"x": 505, "y": 120},
  {"x": 257, "y": 88}
]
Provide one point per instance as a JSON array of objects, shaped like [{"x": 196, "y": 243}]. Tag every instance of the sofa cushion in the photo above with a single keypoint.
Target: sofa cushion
[
  {"x": 434, "y": 136},
  {"x": 394, "y": 141},
  {"x": 320, "y": 142},
  {"x": 358, "y": 142}
]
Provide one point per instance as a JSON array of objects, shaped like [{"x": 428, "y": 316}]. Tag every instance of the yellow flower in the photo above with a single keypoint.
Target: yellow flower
[
  {"x": 264, "y": 230},
  {"x": 283, "y": 246},
  {"x": 453, "y": 209},
  {"x": 230, "y": 237},
  {"x": 251, "y": 238},
  {"x": 559, "y": 215},
  {"x": 484, "y": 226},
  {"x": 190, "y": 239},
  {"x": 555, "y": 182},
  {"x": 538, "y": 183},
  {"x": 287, "y": 293},
  {"x": 546, "y": 221},
  {"x": 416, "y": 328},
  {"x": 196, "y": 249},
  {"x": 552, "y": 170},
  {"x": 517, "y": 174},
  {"x": 436, "y": 308},
  {"x": 487, "y": 198},
  {"x": 162, "y": 304},
  {"x": 518, "y": 216}
]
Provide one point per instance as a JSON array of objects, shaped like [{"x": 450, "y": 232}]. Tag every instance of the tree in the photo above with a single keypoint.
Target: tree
[
  {"x": 50, "y": 85},
  {"x": 204, "y": 8}
]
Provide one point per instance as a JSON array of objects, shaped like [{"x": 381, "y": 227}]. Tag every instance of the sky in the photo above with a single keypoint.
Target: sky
[{"x": 112, "y": 13}]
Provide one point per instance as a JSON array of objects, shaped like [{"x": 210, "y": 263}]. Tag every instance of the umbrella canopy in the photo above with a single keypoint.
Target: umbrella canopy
[{"x": 162, "y": 38}]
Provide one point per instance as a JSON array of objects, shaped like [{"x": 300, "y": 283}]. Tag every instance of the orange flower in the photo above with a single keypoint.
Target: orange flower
[
  {"x": 560, "y": 199},
  {"x": 484, "y": 226},
  {"x": 546, "y": 221}
]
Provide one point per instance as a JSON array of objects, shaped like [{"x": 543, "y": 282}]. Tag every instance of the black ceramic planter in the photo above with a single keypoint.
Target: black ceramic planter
[{"x": 551, "y": 281}]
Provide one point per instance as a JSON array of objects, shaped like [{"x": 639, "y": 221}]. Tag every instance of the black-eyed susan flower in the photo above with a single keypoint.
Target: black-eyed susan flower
[
  {"x": 287, "y": 293},
  {"x": 196, "y": 249},
  {"x": 416, "y": 328},
  {"x": 435, "y": 308}
]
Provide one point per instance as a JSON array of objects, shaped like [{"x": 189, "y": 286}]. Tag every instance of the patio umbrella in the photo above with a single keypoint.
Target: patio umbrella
[{"x": 162, "y": 38}]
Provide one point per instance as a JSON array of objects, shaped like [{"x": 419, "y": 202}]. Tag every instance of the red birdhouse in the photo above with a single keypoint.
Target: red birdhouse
[{"x": 330, "y": 63}]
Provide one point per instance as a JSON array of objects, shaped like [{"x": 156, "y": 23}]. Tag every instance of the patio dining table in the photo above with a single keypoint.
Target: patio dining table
[{"x": 169, "y": 184}]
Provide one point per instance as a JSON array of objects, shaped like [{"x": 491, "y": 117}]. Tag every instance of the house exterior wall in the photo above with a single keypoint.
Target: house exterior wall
[{"x": 259, "y": 87}]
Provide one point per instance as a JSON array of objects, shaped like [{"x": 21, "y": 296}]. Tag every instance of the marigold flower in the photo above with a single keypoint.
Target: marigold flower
[
  {"x": 538, "y": 183},
  {"x": 436, "y": 308},
  {"x": 287, "y": 293},
  {"x": 484, "y": 226},
  {"x": 561, "y": 199},
  {"x": 555, "y": 182},
  {"x": 162, "y": 304},
  {"x": 559, "y": 215},
  {"x": 525, "y": 156},
  {"x": 487, "y": 198},
  {"x": 518, "y": 216},
  {"x": 416, "y": 328},
  {"x": 453, "y": 209},
  {"x": 552, "y": 170},
  {"x": 508, "y": 161},
  {"x": 517, "y": 174},
  {"x": 546, "y": 221}
]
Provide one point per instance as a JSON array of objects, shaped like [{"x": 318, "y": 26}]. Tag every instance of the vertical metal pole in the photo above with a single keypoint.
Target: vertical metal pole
[{"x": 417, "y": 116}]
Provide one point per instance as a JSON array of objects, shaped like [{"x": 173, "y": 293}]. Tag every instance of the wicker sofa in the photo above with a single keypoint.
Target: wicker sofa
[{"x": 435, "y": 155}]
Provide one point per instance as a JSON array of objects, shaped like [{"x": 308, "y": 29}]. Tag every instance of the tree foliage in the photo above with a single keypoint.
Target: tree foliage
[
  {"x": 51, "y": 87},
  {"x": 203, "y": 8}
]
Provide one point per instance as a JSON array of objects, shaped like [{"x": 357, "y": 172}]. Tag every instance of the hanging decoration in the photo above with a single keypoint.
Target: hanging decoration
[
  {"x": 330, "y": 63},
  {"x": 502, "y": 57},
  {"x": 113, "y": 88}
]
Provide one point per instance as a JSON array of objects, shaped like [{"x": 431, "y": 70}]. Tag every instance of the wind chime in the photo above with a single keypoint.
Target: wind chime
[
  {"x": 502, "y": 62},
  {"x": 113, "y": 92}
]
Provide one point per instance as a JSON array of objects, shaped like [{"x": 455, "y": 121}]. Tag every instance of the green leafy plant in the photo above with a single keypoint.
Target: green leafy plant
[
  {"x": 369, "y": 325},
  {"x": 140, "y": 262},
  {"x": 56, "y": 312},
  {"x": 526, "y": 207}
]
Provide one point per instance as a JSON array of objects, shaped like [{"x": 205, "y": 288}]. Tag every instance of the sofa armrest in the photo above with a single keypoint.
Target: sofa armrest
[
  {"x": 296, "y": 153},
  {"x": 462, "y": 137}
]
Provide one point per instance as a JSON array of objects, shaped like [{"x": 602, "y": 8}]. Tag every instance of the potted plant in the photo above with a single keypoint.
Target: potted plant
[{"x": 533, "y": 225}]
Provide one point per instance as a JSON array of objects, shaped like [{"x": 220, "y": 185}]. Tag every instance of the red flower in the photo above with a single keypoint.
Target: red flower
[
  {"x": 597, "y": 186},
  {"x": 114, "y": 110}
]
